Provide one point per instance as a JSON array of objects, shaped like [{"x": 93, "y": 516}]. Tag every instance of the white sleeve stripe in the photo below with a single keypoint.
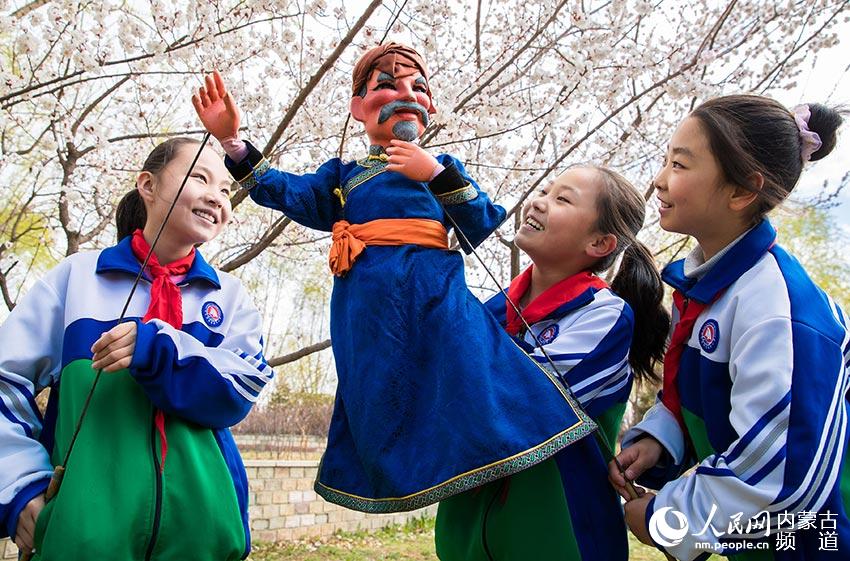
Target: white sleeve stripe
[
  {"x": 827, "y": 442},
  {"x": 760, "y": 457},
  {"x": 18, "y": 405},
  {"x": 248, "y": 381},
  {"x": 602, "y": 374},
  {"x": 242, "y": 391},
  {"x": 773, "y": 431},
  {"x": 243, "y": 383},
  {"x": 258, "y": 363},
  {"x": 261, "y": 365},
  {"x": 829, "y": 469},
  {"x": 560, "y": 362},
  {"x": 616, "y": 378},
  {"x": 265, "y": 371},
  {"x": 836, "y": 311},
  {"x": 834, "y": 473},
  {"x": 618, "y": 387},
  {"x": 225, "y": 361}
]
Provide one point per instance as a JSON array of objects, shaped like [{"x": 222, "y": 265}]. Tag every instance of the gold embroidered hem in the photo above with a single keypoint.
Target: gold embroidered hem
[
  {"x": 464, "y": 194},
  {"x": 251, "y": 180}
]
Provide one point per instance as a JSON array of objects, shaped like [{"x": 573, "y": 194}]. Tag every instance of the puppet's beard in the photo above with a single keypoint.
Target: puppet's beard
[{"x": 406, "y": 130}]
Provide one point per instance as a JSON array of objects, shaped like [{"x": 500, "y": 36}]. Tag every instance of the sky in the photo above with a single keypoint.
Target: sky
[{"x": 828, "y": 82}]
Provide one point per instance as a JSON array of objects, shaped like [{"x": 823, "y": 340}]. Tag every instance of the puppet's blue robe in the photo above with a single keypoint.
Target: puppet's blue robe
[{"x": 434, "y": 398}]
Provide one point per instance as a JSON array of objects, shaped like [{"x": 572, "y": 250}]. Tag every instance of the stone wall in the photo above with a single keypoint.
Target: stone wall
[{"x": 283, "y": 506}]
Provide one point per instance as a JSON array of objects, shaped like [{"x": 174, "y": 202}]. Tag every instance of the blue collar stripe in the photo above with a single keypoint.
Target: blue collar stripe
[
  {"x": 120, "y": 258},
  {"x": 737, "y": 261}
]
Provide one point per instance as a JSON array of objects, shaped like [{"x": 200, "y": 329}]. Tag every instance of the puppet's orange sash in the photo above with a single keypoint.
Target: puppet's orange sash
[{"x": 349, "y": 240}]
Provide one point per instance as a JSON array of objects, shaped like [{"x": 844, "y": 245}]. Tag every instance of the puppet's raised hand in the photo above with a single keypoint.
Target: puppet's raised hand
[
  {"x": 216, "y": 108},
  {"x": 411, "y": 161}
]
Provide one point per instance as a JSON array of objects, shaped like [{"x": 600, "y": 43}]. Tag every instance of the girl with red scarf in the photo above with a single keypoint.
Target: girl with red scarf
[
  {"x": 600, "y": 338},
  {"x": 747, "y": 443},
  {"x": 154, "y": 471}
]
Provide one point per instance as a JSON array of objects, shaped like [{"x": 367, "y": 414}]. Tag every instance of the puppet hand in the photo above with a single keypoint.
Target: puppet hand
[
  {"x": 636, "y": 517},
  {"x": 114, "y": 350},
  {"x": 636, "y": 459},
  {"x": 216, "y": 108},
  {"x": 24, "y": 535},
  {"x": 411, "y": 161}
]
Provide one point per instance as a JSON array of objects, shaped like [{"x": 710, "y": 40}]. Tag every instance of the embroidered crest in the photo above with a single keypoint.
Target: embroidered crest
[
  {"x": 212, "y": 314},
  {"x": 548, "y": 335},
  {"x": 709, "y": 335}
]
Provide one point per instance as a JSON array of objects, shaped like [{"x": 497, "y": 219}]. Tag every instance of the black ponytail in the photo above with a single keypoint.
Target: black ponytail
[
  {"x": 130, "y": 215},
  {"x": 621, "y": 211},
  {"x": 825, "y": 121},
  {"x": 639, "y": 284}
]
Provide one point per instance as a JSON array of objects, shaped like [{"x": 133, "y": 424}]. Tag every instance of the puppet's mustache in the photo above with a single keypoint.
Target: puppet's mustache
[{"x": 393, "y": 106}]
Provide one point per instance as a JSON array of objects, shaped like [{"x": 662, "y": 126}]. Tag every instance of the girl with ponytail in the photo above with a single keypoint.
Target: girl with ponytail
[
  {"x": 755, "y": 377},
  {"x": 601, "y": 338},
  {"x": 154, "y": 473}
]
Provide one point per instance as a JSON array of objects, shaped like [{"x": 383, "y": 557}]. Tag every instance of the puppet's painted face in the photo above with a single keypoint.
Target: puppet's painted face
[{"x": 393, "y": 107}]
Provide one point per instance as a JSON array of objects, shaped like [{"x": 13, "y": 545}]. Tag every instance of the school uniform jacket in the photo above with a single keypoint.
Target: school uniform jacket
[
  {"x": 118, "y": 500},
  {"x": 762, "y": 382},
  {"x": 563, "y": 508}
]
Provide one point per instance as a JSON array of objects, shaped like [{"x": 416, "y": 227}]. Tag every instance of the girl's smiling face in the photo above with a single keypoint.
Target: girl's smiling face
[
  {"x": 694, "y": 197},
  {"x": 204, "y": 205},
  {"x": 559, "y": 221}
]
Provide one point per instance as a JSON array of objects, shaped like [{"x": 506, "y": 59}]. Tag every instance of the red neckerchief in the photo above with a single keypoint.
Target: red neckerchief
[
  {"x": 552, "y": 298},
  {"x": 689, "y": 311},
  {"x": 166, "y": 304}
]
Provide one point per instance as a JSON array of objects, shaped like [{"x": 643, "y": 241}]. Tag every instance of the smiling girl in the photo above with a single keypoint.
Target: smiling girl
[
  {"x": 154, "y": 473},
  {"x": 601, "y": 338},
  {"x": 754, "y": 378}
]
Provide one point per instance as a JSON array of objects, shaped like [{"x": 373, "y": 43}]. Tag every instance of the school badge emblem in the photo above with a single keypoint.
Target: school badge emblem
[
  {"x": 212, "y": 314},
  {"x": 709, "y": 335},
  {"x": 548, "y": 335}
]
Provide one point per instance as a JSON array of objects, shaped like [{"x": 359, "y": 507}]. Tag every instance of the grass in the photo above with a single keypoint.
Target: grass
[{"x": 412, "y": 542}]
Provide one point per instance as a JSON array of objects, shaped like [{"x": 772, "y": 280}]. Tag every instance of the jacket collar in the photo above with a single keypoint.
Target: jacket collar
[
  {"x": 120, "y": 258},
  {"x": 740, "y": 258},
  {"x": 557, "y": 301}
]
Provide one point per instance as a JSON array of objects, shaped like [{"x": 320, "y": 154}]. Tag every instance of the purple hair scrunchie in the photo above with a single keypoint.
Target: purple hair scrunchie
[{"x": 810, "y": 142}]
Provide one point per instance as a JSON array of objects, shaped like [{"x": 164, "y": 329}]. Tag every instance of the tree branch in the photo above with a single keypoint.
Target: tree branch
[
  {"x": 109, "y": 91},
  {"x": 795, "y": 50},
  {"x": 27, "y": 8},
  {"x": 4, "y": 288},
  {"x": 254, "y": 250},
  {"x": 308, "y": 88},
  {"x": 693, "y": 62},
  {"x": 306, "y": 351}
]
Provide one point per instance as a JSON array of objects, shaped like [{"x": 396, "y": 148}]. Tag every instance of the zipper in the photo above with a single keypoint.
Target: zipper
[{"x": 158, "y": 502}]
